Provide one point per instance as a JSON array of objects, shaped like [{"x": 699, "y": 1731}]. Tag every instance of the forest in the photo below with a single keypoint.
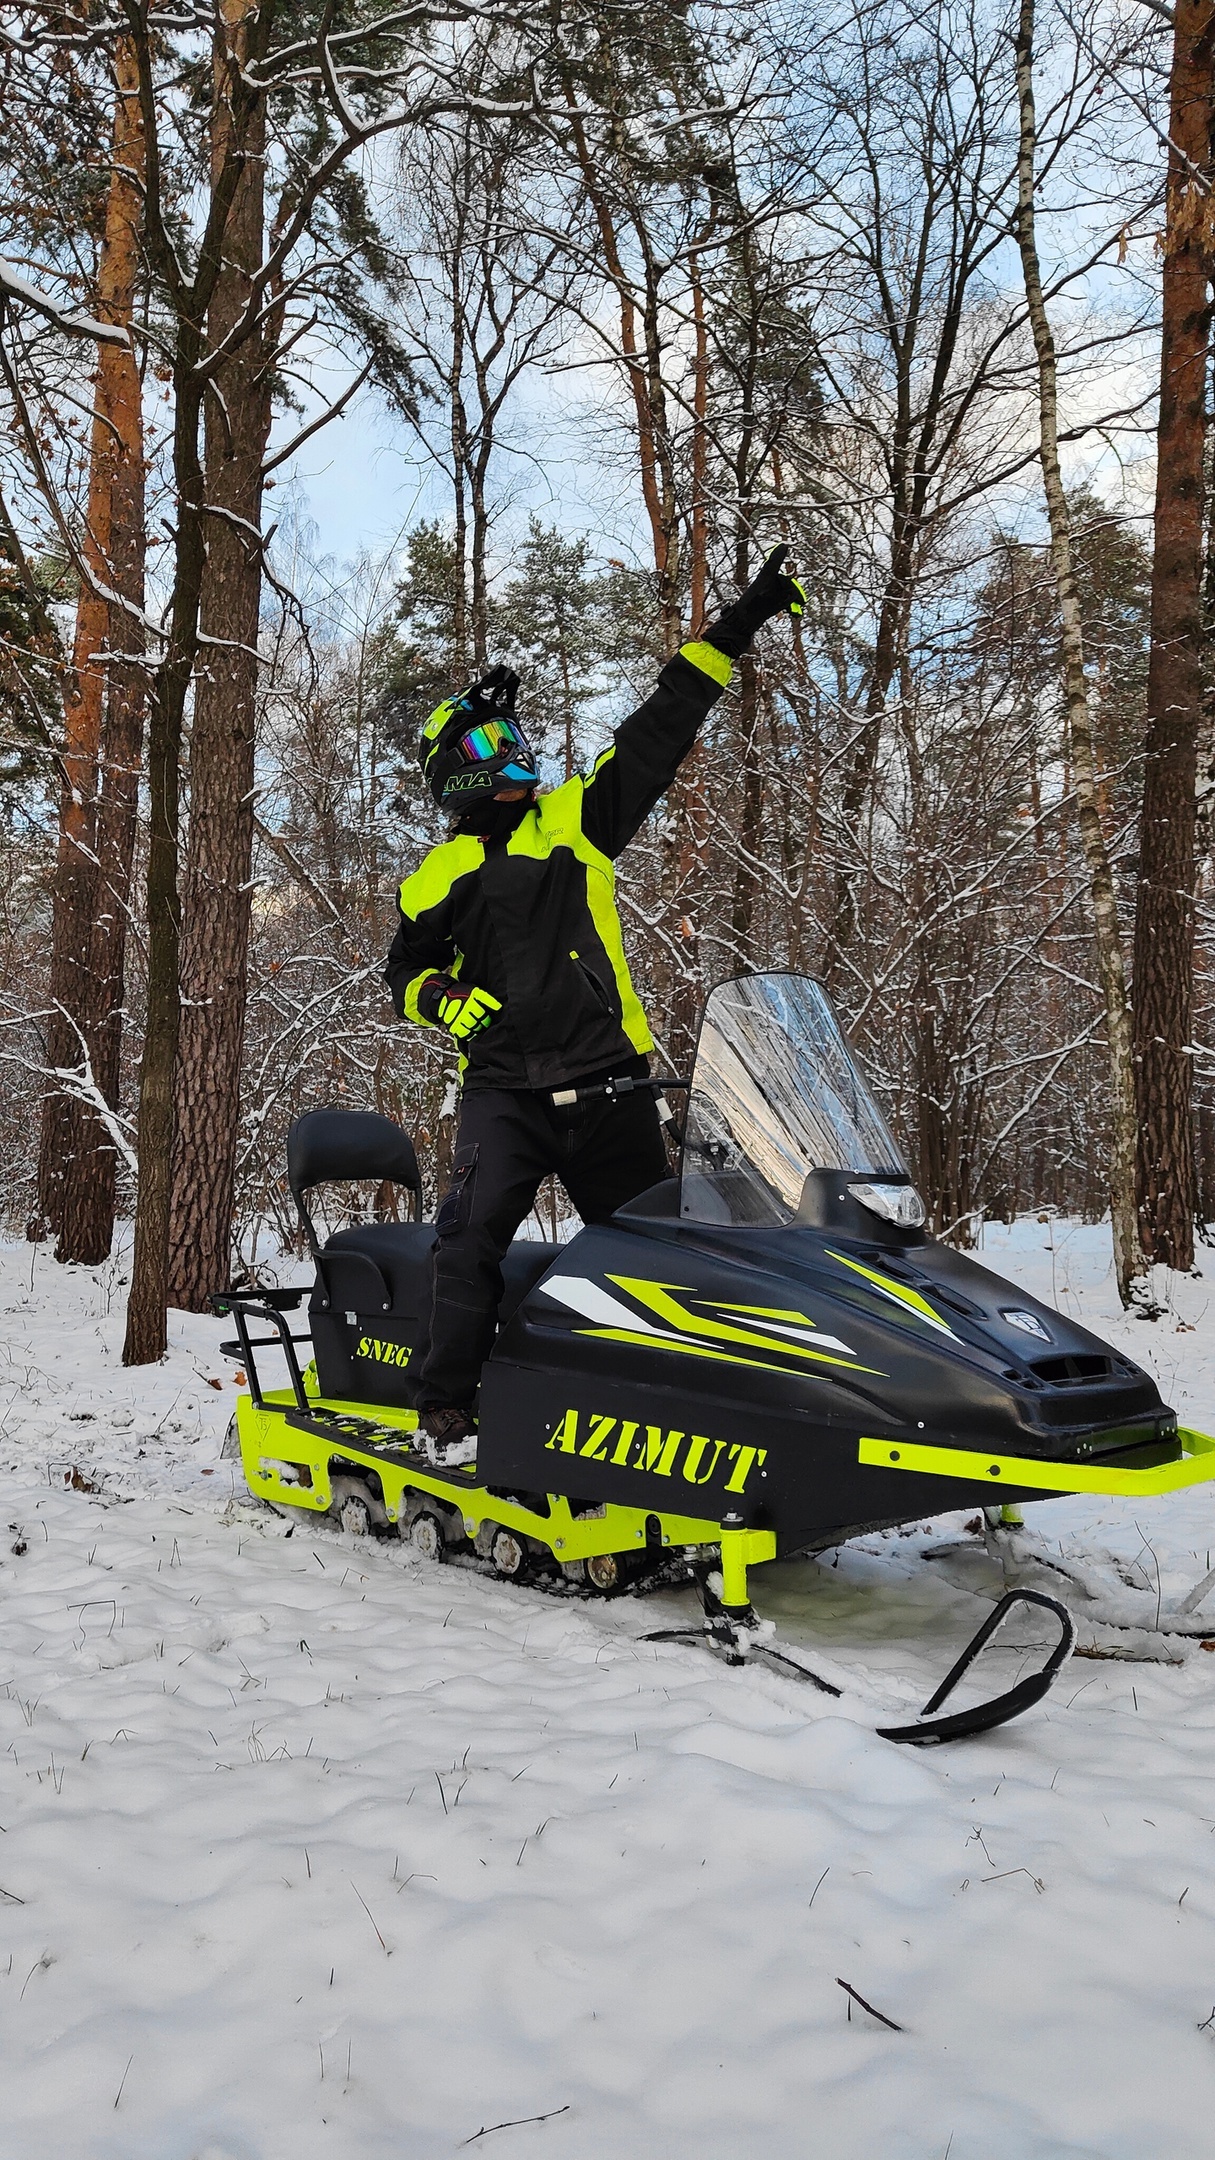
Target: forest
[{"x": 588, "y": 304}]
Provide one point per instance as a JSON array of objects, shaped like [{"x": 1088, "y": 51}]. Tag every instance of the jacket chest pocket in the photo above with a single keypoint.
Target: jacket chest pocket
[{"x": 597, "y": 989}]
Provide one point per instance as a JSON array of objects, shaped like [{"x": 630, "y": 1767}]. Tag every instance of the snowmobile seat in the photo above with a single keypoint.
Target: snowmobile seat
[
  {"x": 371, "y": 1298},
  {"x": 400, "y": 1254},
  {"x": 342, "y": 1146},
  {"x": 372, "y": 1301}
]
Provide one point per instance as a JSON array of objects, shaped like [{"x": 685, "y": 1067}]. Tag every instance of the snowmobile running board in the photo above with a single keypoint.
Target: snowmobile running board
[
  {"x": 927, "y": 1730},
  {"x": 1196, "y": 1466}
]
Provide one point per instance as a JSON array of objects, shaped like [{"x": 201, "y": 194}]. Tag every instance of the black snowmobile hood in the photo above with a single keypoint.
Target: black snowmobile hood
[{"x": 921, "y": 1304}]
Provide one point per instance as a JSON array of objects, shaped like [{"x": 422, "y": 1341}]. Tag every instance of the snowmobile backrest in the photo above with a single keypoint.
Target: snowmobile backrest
[{"x": 340, "y": 1146}]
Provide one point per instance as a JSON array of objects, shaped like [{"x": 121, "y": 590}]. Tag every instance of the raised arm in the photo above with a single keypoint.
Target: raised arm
[{"x": 648, "y": 748}]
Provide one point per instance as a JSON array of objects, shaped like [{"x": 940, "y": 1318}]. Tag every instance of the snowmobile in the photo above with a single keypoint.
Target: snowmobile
[{"x": 761, "y": 1357}]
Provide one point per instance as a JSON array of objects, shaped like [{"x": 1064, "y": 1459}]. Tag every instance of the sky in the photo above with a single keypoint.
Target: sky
[{"x": 363, "y": 482}]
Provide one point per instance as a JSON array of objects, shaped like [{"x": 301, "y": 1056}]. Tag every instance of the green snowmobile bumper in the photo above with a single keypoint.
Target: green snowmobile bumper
[{"x": 1195, "y": 1466}]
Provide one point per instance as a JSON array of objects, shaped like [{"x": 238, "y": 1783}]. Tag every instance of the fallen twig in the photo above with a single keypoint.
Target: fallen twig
[
  {"x": 487, "y": 2129},
  {"x": 1004, "y": 1873},
  {"x": 878, "y": 2014}
]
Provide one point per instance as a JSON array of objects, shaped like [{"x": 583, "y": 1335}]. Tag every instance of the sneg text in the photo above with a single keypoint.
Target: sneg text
[
  {"x": 633, "y": 1446},
  {"x": 384, "y": 1353}
]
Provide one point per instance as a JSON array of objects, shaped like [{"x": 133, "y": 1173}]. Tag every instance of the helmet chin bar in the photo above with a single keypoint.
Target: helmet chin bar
[{"x": 898, "y": 1204}]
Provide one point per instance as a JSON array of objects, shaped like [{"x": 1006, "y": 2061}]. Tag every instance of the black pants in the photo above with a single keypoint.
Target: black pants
[{"x": 604, "y": 1151}]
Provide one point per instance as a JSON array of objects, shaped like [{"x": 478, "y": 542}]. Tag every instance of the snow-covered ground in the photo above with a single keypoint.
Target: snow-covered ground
[{"x": 308, "y": 1850}]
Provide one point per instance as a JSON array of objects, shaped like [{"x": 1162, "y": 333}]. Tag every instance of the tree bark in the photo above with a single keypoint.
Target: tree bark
[
  {"x": 76, "y": 1156},
  {"x": 1164, "y": 916},
  {"x": 698, "y": 523},
  {"x": 1111, "y": 965},
  {"x": 146, "y": 1333},
  {"x": 216, "y": 888},
  {"x": 642, "y": 363}
]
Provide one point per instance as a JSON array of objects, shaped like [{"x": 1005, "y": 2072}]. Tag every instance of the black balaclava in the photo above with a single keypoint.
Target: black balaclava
[{"x": 494, "y": 820}]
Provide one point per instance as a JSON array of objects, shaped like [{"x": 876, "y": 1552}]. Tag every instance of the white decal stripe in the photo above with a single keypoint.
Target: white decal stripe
[
  {"x": 912, "y": 1312},
  {"x": 595, "y": 1303},
  {"x": 811, "y": 1335}
]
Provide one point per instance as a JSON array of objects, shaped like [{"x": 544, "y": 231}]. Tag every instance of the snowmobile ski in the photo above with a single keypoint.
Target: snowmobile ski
[{"x": 928, "y": 1729}]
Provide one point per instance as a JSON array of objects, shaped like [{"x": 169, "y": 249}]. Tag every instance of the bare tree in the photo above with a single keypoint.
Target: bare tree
[
  {"x": 1164, "y": 916},
  {"x": 1128, "y": 1258},
  {"x": 103, "y": 727},
  {"x": 481, "y": 300}
]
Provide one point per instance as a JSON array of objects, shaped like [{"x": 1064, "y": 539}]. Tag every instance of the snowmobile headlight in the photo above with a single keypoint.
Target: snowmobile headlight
[{"x": 898, "y": 1204}]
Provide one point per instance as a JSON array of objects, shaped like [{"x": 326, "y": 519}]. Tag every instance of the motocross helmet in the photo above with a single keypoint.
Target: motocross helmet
[{"x": 473, "y": 745}]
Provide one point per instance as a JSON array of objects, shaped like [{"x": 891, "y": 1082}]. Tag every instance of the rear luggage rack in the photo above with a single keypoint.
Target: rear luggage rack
[{"x": 258, "y": 1306}]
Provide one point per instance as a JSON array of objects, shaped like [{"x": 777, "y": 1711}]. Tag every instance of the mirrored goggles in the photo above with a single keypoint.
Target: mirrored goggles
[{"x": 489, "y": 739}]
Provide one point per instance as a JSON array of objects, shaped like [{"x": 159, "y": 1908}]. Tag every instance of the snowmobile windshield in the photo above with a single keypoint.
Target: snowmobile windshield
[{"x": 776, "y": 1094}]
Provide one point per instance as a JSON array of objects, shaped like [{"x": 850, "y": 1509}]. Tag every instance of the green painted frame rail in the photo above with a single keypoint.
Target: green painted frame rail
[{"x": 1196, "y": 1467}]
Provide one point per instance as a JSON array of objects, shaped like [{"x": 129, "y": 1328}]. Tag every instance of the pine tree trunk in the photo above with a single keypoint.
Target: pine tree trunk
[
  {"x": 76, "y": 1157},
  {"x": 1164, "y": 918},
  {"x": 698, "y": 524},
  {"x": 216, "y": 887},
  {"x": 1128, "y": 1259},
  {"x": 87, "y": 1226}
]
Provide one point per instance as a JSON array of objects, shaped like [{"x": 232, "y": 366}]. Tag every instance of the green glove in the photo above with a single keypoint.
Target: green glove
[
  {"x": 772, "y": 592},
  {"x": 465, "y": 1012}
]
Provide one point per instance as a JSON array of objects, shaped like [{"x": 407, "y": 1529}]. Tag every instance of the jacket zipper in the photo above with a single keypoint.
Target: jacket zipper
[{"x": 595, "y": 984}]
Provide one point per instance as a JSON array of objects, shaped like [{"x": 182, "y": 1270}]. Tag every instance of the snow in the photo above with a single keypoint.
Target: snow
[
  {"x": 310, "y": 1849},
  {"x": 16, "y": 287}
]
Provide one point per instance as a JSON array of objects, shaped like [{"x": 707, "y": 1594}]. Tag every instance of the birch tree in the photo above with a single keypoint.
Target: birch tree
[{"x": 1128, "y": 1256}]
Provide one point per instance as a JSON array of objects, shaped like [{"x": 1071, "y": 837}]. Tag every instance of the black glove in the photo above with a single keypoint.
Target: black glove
[
  {"x": 462, "y": 1008},
  {"x": 771, "y": 593}
]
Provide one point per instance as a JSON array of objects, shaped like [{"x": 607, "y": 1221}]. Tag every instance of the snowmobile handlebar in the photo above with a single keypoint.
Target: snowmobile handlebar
[{"x": 627, "y": 1084}]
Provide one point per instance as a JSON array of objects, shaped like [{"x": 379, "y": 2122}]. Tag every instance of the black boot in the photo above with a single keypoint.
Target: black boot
[{"x": 449, "y": 1438}]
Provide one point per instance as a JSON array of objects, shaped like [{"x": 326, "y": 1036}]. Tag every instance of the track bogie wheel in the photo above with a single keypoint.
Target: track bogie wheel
[
  {"x": 604, "y": 1572},
  {"x": 426, "y": 1536},
  {"x": 355, "y": 1516},
  {"x": 509, "y": 1555}
]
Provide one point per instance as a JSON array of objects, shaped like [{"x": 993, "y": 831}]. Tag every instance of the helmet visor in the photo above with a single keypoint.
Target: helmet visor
[{"x": 488, "y": 740}]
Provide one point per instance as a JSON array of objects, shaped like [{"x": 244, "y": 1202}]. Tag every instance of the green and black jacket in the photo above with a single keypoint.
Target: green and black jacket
[{"x": 532, "y": 918}]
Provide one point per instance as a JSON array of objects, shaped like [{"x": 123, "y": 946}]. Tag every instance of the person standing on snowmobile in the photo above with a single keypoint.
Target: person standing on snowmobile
[{"x": 509, "y": 939}]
